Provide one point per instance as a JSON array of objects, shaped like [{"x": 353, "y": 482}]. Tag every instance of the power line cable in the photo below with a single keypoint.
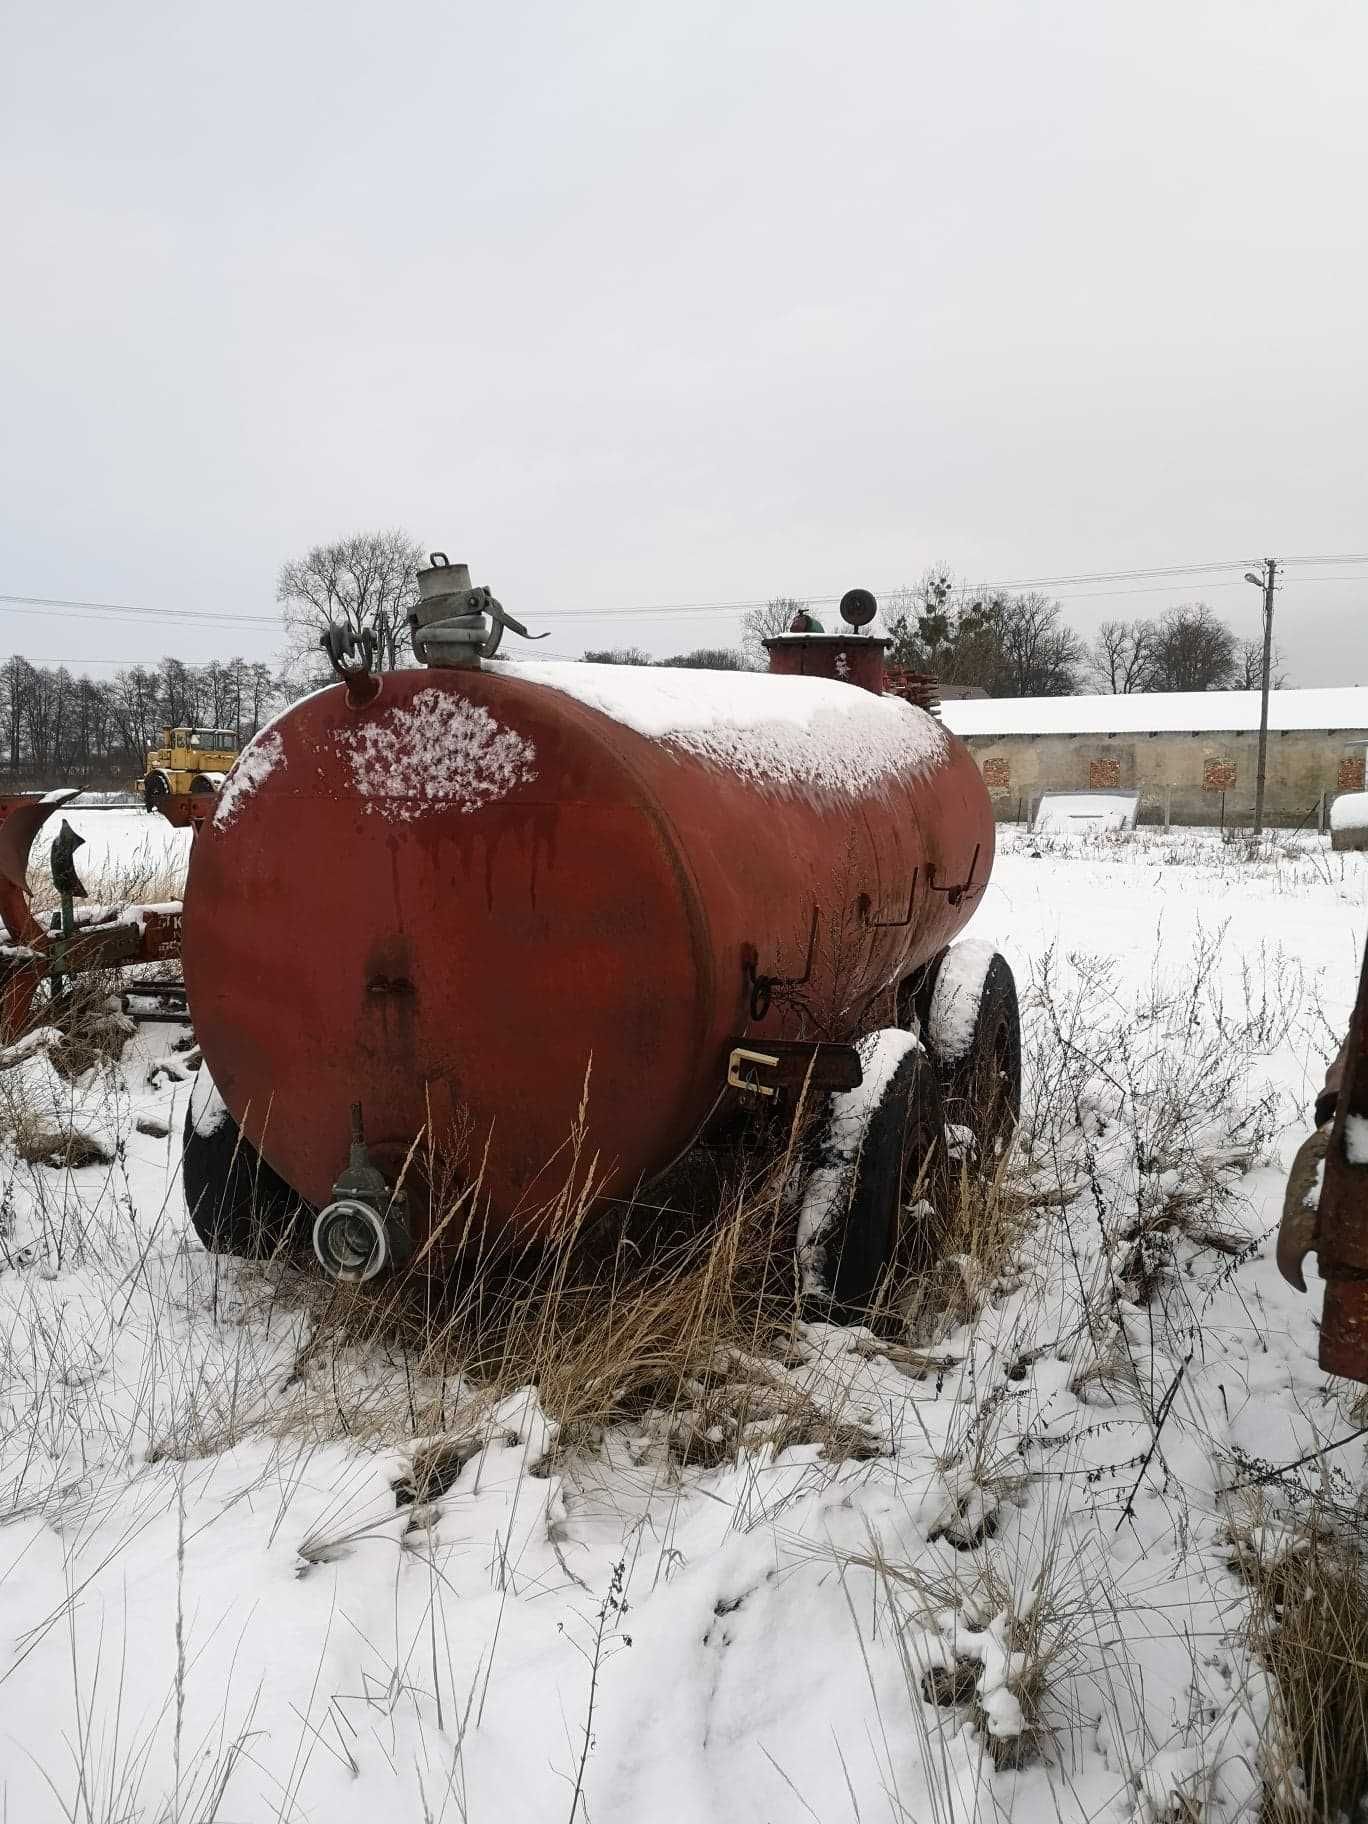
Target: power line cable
[
  {"x": 122, "y": 611},
  {"x": 64, "y": 607},
  {"x": 1079, "y": 595}
]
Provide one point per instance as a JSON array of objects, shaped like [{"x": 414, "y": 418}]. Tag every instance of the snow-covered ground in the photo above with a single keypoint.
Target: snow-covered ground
[
  {"x": 129, "y": 848},
  {"x": 211, "y": 1610}
]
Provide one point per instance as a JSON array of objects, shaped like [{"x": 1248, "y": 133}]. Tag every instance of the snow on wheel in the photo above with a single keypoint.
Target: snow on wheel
[
  {"x": 236, "y": 1203},
  {"x": 972, "y": 1028},
  {"x": 876, "y": 1195}
]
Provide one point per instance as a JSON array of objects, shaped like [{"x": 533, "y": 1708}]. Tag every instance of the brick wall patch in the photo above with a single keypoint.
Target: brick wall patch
[
  {"x": 1103, "y": 774},
  {"x": 997, "y": 775},
  {"x": 1351, "y": 774},
  {"x": 1218, "y": 775}
]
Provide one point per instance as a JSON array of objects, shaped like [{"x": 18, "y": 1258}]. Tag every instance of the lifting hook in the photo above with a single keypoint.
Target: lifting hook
[
  {"x": 352, "y": 657},
  {"x": 762, "y": 986}
]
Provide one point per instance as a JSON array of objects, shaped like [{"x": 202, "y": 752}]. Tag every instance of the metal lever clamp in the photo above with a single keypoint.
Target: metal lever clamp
[{"x": 455, "y": 623}]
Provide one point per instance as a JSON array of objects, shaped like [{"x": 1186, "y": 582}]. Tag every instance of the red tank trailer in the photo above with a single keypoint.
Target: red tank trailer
[{"x": 444, "y": 919}]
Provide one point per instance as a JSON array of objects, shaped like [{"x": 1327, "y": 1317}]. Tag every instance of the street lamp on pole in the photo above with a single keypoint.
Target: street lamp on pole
[{"x": 1264, "y": 581}]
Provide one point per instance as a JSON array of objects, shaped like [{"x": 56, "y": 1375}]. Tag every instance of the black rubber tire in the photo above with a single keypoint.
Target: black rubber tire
[
  {"x": 982, "y": 1086},
  {"x": 156, "y": 791},
  {"x": 903, "y": 1155},
  {"x": 236, "y": 1203}
]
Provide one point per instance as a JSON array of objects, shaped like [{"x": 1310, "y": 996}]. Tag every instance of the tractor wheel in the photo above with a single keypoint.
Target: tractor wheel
[
  {"x": 972, "y": 1027},
  {"x": 878, "y": 1194},
  {"x": 156, "y": 791},
  {"x": 237, "y": 1204}
]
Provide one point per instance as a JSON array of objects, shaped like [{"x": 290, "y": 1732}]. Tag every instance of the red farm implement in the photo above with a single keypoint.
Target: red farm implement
[{"x": 39, "y": 959}]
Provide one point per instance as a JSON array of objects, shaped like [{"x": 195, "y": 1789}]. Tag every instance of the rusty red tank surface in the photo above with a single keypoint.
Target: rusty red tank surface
[{"x": 486, "y": 900}]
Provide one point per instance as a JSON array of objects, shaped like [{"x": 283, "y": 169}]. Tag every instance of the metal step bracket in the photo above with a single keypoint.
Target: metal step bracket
[{"x": 757, "y": 1060}]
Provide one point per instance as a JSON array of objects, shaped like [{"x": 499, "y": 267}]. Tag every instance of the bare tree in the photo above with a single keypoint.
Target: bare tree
[
  {"x": 179, "y": 691},
  {"x": 1249, "y": 667},
  {"x": 618, "y": 655},
  {"x": 264, "y": 690},
  {"x": 367, "y": 583},
  {"x": 1120, "y": 656},
  {"x": 1193, "y": 649},
  {"x": 219, "y": 694},
  {"x": 17, "y": 674},
  {"x": 1043, "y": 657},
  {"x": 46, "y": 701},
  {"x": 137, "y": 708},
  {"x": 761, "y": 624}
]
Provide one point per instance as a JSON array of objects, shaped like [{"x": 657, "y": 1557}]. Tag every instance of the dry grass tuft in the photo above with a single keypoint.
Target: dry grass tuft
[
  {"x": 1018, "y": 1650},
  {"x": 39, "y": 1142},
  {"x": 143, "y": 876},
  {"x": 982, "y": 1224},
  {"x": 1309, "y": 1626},
  {"x": 94, "y": 1031}
]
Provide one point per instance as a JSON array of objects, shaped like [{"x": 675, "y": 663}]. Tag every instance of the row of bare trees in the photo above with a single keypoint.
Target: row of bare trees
[
  {"x": 1187, "y": 648},
  {"x": 60, "y": 729}
]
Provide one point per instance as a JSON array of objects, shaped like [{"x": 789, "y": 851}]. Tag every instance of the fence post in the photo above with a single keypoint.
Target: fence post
[
  {"x": 1320, "y": 815},
  {"x": 1168, "y": 806}
]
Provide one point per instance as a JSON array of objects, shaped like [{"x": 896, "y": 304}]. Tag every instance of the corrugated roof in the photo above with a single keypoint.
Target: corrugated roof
[{"x": 1163, "y": 712}]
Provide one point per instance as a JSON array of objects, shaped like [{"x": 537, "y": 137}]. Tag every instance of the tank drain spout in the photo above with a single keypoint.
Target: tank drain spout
[{"x": 363, "y": 1232}]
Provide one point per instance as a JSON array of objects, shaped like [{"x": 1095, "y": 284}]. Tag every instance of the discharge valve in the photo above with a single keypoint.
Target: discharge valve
[{"x": 364, "y": 1229}]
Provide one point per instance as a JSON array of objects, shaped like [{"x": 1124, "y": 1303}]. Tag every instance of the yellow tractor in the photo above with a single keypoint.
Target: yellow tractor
[{"x": 190, "y": 763}]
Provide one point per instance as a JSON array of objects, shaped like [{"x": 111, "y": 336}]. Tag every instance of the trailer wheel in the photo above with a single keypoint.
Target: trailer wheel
[
  {"x": 237, "y": 1204},
  {"x": 877, "y": 1196},
  {"x": 972, "y": 1026}
]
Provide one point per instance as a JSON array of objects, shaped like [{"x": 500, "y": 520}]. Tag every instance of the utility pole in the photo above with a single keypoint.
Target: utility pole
[{"x": 1266, "y": 582}]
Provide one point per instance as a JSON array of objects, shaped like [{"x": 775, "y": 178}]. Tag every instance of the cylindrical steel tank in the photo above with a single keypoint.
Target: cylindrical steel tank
[{"x": 487, "y": 897}]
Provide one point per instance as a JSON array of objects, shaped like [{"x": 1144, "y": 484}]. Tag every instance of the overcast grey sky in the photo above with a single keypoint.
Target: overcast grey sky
[{"x": 636, "y": 304}]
